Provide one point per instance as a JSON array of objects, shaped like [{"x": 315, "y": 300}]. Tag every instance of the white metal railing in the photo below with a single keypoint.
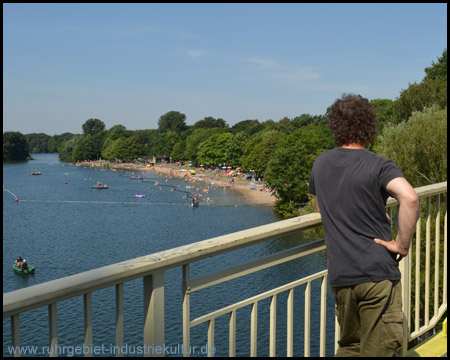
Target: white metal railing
[{"x": 151, "y": 268}]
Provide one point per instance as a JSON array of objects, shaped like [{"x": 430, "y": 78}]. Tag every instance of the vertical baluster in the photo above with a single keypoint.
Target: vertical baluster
[
  {"x": 232, "y": 334},
  {"x": 87, "y": 300},
  {"x": 290, "y": 324},
  {"x": 119, "y": 319},
  {"x": 436, "y": 255},
  {"x": 307, "y": 318},
  {"x": 273, "y": 326},
  {"x": 323, "y": 316},
  {"x": 254, "y": 330},
  {"x": 417, "y": 297},
  {"x": 154, "y": 311},
  {"x": 444, "y": 281},
  {"x": 15, "y": 333},
  {"x": 406, "y": 285},
  {"x": 53, "y": 330},
  {"x": 427, "y": 265},
  {"x": 337, "y": 334},
  {"x": 186, "y": 312},
  {"x": 211, "y": 337}
]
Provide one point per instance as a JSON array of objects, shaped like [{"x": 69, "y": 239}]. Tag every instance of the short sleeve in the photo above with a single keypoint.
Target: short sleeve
[{"x": 387, "y": 172}]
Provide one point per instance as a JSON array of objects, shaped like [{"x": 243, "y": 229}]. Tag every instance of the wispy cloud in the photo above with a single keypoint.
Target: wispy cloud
[
  {"x": 264, "y": 63},
  {"x": 195, "y": 54}
]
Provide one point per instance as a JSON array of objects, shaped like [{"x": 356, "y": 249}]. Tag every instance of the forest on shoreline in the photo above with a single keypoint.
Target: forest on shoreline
[{"x": 412, "y": 131}]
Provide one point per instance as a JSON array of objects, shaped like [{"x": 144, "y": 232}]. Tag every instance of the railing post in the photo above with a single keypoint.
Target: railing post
[
  {"x": 290, "y": 324},
  {"x": 88, "y": 322},
  {"x": 154, "y": 314},
  {"x": 15, "y": 334},
  {"x": 406, "y": 305},
  {"x": 273, "y": 327},
  {"x": 186, "y": 312},
  {"x": 119, "y": 319},
  {"x": 254, "y": 330},
  {"x": 53, "y": 330},
  {"x": 323, "y": 316},
  {"x": 307, "y": 338}
]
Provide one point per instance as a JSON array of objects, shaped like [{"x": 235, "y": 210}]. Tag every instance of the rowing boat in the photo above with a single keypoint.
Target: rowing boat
[{"x": 23, "y": 272}]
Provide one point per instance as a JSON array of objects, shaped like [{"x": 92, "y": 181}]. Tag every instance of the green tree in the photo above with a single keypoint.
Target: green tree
[
  {"x": 419, "y": 96},
  {"x": 52, "y": 145},
  {"x": 431, "y": 90},
  {"x": 194, "y": 140},
  {"x": 210, "y": 122},
  {"x": 65, "y": 151},
  {"x": 259, "y": 150},
  {"x": 288, "y": 173},
  {"x": 235, "y": 148},
  {"x": 213, "y": 150},
  {"x": 165, "y": 142},
  {"x": 172, "y": 121},
  {"x": 148, "y": 139},
  {"x": 87, "y": 147},
  {"x": 113, "y": 149},
  {"x": 116, "y": 132},
  {"x": 289, "y": 168},
  {"x": 93, "y": 127},
  {"x": 419, "y": 146},
  {"x": 438, "y": 70},
  {"x": 37, "y": 142},
  {"x": 133, "y": 148},
  {"x": 248, "y": 126},
  {"x": 15, "y": 146},
  {"x": 61, "y": 139},
  {"x": 178, "y": 152},
  {"x": 384, "y": 110}
]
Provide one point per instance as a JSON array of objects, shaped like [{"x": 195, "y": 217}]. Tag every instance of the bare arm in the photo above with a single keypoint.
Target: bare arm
[
  {"x": 408, "y": 214},
  {"x": 316, "y": 201}
]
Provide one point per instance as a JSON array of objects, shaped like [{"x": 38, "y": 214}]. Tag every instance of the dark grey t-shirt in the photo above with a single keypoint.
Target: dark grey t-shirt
[{"x": 350, "y": 185}]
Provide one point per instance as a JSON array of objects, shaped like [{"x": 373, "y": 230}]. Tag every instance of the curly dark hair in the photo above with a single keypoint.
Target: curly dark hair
[{"x": 352, "y": 119}]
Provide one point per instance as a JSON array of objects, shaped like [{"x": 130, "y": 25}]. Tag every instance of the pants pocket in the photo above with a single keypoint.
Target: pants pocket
[{"x": 391, "y": 336}]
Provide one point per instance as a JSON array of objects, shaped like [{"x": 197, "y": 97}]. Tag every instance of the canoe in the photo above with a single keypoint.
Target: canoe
[{"x": 24, "y": 272}]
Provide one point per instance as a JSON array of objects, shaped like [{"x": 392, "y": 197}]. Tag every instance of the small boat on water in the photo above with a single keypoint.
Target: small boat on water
[
  {"x": 139, "y": 196},
  {"x": 23, "y": 272},
  {"x": 100, "y": 186},
  {"x": 35, "y": 173}
]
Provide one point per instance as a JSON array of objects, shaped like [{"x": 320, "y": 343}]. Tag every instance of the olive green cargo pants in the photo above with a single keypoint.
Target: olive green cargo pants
[{"x": 370, "y": 316}]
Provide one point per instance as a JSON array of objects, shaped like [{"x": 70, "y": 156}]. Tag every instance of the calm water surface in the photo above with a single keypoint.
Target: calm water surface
[{"x": 62, "y": 227}]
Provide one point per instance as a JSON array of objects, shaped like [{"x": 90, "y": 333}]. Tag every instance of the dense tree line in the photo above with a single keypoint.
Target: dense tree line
[
  {"x": 15, "y": 146},
  {"x": 412, "y": 132}
]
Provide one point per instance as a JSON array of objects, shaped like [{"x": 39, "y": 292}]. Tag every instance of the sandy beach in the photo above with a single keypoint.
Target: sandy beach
[{"x": 255, "y": 193}]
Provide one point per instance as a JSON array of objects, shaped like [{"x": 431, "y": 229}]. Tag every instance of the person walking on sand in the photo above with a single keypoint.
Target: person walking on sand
[{"x": 351, "y": 186}]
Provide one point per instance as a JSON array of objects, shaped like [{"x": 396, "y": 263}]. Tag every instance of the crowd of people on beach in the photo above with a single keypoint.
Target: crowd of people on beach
[{"x": 202, "y": 181}]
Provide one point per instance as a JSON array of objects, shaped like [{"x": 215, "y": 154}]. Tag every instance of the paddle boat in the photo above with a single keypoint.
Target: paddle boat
[
  {"x": 100, "y": 186},
  {"x": 139, "y": 196},
  {"x": 35, "y": 172},
  {"x": 18, "y": 270}
]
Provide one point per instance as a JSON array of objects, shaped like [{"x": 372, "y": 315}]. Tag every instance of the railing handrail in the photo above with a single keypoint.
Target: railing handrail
[
  {"x": 39, "y": 295},
  {"x": 36, "y": 296}
]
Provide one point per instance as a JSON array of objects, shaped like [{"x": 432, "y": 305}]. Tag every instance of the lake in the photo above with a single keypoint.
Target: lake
[{"x": 62, "y": 227}]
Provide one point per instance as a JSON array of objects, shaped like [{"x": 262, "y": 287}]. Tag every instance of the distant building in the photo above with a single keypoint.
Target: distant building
[{"x": 155, "y": 159}]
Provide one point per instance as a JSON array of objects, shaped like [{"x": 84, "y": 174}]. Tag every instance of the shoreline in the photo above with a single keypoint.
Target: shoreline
[{"x": 255, "y": 193}]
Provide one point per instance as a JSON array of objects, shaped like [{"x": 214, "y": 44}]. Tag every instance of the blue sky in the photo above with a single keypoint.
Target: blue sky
[{"x": 129, "y": 64}]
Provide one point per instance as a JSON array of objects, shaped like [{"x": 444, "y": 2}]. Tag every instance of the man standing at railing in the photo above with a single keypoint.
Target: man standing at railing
[{"x": 351, "y": 185}]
